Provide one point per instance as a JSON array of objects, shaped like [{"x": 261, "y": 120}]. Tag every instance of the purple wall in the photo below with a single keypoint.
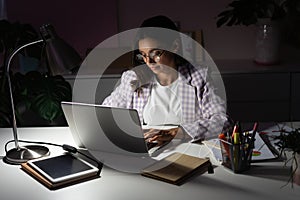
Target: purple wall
[
  {"x": 221, "y": 43},
  {"x": 84, "y": 24}
]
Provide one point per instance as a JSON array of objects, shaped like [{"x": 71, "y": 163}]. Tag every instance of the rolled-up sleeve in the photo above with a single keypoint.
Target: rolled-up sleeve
[{"x": 211, "y": 109}]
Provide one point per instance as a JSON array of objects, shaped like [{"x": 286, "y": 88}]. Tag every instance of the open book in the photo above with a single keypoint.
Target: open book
[{"x": 177, "y": 168}]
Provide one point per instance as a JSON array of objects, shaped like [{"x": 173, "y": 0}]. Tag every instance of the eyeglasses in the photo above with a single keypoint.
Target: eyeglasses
[{"x": 154, "y": 55}]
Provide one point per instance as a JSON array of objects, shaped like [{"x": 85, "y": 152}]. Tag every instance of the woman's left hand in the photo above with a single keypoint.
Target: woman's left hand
[{"x": 160, "y": 136}]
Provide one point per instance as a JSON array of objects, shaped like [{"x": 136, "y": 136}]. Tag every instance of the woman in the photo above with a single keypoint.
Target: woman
[{"x": 165, "y": 89}]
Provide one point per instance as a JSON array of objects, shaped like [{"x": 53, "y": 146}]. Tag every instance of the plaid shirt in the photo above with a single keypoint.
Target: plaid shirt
[{"x": 203, "y": 112}]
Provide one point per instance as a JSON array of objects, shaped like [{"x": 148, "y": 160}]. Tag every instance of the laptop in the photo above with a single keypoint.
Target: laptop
[{"x": 107, "y": 129}]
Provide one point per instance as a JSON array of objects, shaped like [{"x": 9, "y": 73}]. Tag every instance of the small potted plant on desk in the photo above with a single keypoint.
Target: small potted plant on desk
[{"x": 289, "y": 141}]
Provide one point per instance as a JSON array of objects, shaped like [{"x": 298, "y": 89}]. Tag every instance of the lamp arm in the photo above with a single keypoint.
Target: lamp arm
[
  {"x": 14, "y": 125},
  {"x": 17, "y": 50}
]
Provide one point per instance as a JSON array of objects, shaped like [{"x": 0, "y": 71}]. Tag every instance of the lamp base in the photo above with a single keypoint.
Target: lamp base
[{"x": 25, "y": 153}]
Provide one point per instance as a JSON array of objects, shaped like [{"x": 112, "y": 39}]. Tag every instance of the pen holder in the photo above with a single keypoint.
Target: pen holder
[{"x": 236, "y": 157}]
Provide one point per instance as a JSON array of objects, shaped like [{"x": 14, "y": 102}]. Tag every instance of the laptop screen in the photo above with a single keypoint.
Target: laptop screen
[{"x": 102, "y": 128}]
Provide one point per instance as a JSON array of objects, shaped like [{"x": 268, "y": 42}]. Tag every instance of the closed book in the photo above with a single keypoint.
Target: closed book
[{"x": 177, "y": 168}]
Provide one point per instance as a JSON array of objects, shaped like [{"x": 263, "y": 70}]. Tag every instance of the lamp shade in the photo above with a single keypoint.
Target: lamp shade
[{"x": 61, "y": 57}]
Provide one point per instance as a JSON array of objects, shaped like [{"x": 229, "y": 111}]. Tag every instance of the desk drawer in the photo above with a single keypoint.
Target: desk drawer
[
  {"x": 259, "y": 111},
  {"x": 296, "y": 86},
  {"x": 295, "y": 110},
  {"x": 257, "y": 87},
  {"x": 295, "y": 97}
]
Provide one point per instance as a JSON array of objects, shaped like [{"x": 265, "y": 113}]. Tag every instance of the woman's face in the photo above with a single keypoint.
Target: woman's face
[{"x": 157, "y": 59}]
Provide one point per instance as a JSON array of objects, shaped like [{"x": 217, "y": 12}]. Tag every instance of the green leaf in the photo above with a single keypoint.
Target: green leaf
[{"x": 47, "y": 97}]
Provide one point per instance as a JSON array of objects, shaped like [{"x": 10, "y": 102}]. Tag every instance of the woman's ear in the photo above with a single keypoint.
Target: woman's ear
[{"x": 176, "y": 46}]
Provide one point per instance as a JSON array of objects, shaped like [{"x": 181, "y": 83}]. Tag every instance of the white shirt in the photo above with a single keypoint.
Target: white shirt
[{"x": 163, "y": 106}]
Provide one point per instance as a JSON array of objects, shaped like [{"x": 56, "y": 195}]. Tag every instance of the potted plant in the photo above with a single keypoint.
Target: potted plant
[
  {"x": 37, "y": 98},
  {"x": 247, "y": 12},
  {"x": 290, "y": 141},
  {"x": 37, "y": 95},
  {"x": 268, "y": 15}
]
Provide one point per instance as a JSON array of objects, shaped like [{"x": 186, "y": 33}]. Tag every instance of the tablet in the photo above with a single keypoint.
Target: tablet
[{"x": 62, "y": 168}]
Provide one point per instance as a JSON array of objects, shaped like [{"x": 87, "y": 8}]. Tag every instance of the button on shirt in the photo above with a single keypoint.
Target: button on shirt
[{"x": 163, "y": 105}]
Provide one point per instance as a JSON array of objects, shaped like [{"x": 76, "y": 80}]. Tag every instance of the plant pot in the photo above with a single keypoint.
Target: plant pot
[
  {"x": 267, "y": 42},
  {"x": 296, "y": 169}
]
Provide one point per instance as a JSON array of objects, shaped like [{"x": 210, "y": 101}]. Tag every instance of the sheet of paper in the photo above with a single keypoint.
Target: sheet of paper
[
  {"x": 214, "y": 146},
  {"x": 260, "y": 152}
]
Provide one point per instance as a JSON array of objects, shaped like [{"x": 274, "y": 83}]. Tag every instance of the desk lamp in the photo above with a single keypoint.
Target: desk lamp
[{"x": 62, "y": 59}]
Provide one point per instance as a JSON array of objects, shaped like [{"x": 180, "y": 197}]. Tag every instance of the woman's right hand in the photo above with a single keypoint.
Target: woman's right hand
[{"x": 160, "y": 136}]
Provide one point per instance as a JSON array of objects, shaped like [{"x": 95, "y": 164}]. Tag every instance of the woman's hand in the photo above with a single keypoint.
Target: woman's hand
[{"x": 160, "y": 136}]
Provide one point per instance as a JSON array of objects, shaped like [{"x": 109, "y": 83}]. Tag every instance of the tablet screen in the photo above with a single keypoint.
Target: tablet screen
[{"x": 62, "y": 167}]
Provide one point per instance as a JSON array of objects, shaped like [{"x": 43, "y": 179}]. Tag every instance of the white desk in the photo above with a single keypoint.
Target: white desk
[{"x": 263, "y": 181}]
